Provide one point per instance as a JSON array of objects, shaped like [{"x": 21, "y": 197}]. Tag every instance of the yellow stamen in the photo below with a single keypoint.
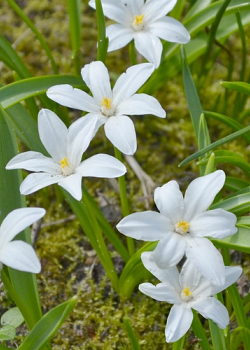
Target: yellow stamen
[
  {"x": 106, "y": 102},
  {"x": 64, "y": 162},
  {"x": 138, "y": 19},
  {"x": 182, "y": 227},
  {"x": 186, "y": 294}
]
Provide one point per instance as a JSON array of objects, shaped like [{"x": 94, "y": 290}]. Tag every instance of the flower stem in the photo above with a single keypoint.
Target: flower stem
[
  {"x": 199, "y": 332},
  {"x": 132, "y": 53},
  {"x": 178, "y": 345},
  {"x": 124, "y": 202}
]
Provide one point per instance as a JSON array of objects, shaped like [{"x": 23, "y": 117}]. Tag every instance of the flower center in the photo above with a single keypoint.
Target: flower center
[
  {"x": 182, "y": 227},
  {"x": 66, "y": 167},
  {"x": 186, "y": 294},
  {"x": 138, "y": 23},
  {"x": 107, "y": 108}
]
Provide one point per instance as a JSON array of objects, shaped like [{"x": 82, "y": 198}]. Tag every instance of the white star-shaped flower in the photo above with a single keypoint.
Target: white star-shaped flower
[
  {"x": 66, "y": 147},
  {"x": 18, "y": 254},
  {"x": 145, "y": 22},
  {"x": 182, "y": 225},
  {"x": 187, "y": 290},
  {"x": 111, "y": 107}
]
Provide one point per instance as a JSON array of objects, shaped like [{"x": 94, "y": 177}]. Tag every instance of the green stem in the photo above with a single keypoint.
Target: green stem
[
  {"x": 132, "y": 53},
  {"x": 124, "y": 202},
  {"x": 178, "y": 345},
  {"x": 199, "y": 332}
]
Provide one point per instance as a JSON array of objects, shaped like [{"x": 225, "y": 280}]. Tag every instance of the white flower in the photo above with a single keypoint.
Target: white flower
[
  {"x": 187, "y": 290},
  {"x": 111, "y": 107},
  {"x": 145, "y": 23},
  {"x": 182, "y": 225},
  {"x": 66, "y": 147},
  {"x": 18, "y": 254}
]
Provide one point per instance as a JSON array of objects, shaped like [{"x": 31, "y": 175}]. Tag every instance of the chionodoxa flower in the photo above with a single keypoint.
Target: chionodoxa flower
[
  {"x": 145, "y": 22},
  {"x": 187, "y": 290},
  {"x": 66, "y": 147},
  {"x": 182, "y": 225},
  {"x": 18, "y": 254},
  {"x": 111, "y": 107}
]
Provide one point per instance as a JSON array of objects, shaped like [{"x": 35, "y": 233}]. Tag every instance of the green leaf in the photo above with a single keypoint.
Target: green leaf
[
  {"x": 74, "y": 10},
  {"x": 22, "y": 89},
  {"x": 234, "y": 184},
  {"x": 238, "y": 86},
  {"x": 218, "y": 339},
  {"x": 12, "y": 317},
  {"x": 131, "y": 334},
  {"x": 239, "y": 241},
  {"x": 102, "y": 39},
  {"x": 203, "y": 141},
  {"x": 7, "y": 333},
  {"x": 200, "y": 332},
  {"x": 45, "y": 329},
  {"x": 238, "y": 204}
]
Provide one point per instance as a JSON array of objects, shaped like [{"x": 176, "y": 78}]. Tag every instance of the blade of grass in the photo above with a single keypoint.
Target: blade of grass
[
  {"x": 74, "y": 10},
  {"x": 200, "y": 332},
  {"x": 102, "y": 39},
  {"x": 131, "y": 334}
]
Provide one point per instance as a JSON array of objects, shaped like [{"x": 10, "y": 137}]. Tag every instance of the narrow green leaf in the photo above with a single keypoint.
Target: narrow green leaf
[
  {"x": 20, "y": 90},
  {"x": 74, "y": 10},
  {"x": 200, "y": 332},
  {"x": 179, "y": 344},
  {"x": 239, "y": 241},
  {"x": 217, "y": 336},
  {"x": 210, "y": 168},
  {"x": 237, "y": 86},
  {"x": 215, "y": 144},
  {"x": 234, "y": 184},
  {"x": 102, "y": 39},
  {"x": 203, "y": 140},
  {"x": 237, "y": 204},
  {"x": 45, "y": 329},
  {"x": 197, "y": 7},
  {"x": 131, "y": 334}
]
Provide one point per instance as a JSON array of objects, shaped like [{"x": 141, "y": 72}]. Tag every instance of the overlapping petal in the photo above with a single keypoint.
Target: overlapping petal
[
  {"x": 161, "y": 292},
  {"x": 67, "y": 96},
  {"x": 232, "y": 273},
  {"x": 147, "y": 226},
  {"x": 154, "y": 9},
  {"x": 149, "y": 46},
  {"x": 114, "y": 10},
  {"x": 120, "y": 131},
  {"x": 169, "y": 29},
  {"x": 170, "y": 250},
  {"x": 141, "y": 104},
  {"x": 119, "y": 36},
  {"x": 73, "y": 185},
  {"x": 178, "y": 323}
]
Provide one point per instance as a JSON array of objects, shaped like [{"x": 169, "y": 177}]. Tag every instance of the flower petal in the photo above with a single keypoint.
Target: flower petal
[
  {"x": 201, "y": 193},
  {"x": 73, "y": 185},
  {"x": 80, "y": 134},
  {"x": 120, "y": 131},
  {"x": 34, "y": 161},
  {"x": 169, "y": 200},
  {"x": 114, "y": 10},
  {"x": 67, "y": 96},
  {"x": 206, "y": 259},
  {"x": 212, "y": 309},
  {"x": 128, "y": 83},
  {"x": 16, "y": 221},
  {"x": 20, "y": 256},
  {"x": 140, "y": 104},
  {"x": 119, "y": 36},
  {"x": 217, "y": 223},
  {"x": 149, "y": 46},
  {"x": 170, "y": 275},
  {"x": 134, "y": 6},
  {"x": 169, "y": 250},
  {"x": 161, "y": 292},
  {"x": 147, "y": 226},
  {"x": 101, "y": 165},
  {"x": 178, "y": 323},
  {"x": 232, "y": 274},
  {"x": 154, "y": 9},
  {"x": 189, "y": 276},
  {"x": 170, "y": 29},
  {"x": 36, "y": 181},
  {"x": 53, "y": 134},
  {"x": 96, "y": 77}
]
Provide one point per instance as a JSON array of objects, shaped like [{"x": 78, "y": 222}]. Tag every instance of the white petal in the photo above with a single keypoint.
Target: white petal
[
  {"x": 161, "y": 292},
  {"x": 147, "y": 226},
  {"x": 67, "y": 96},
  {"x": 170, "y": 275},
  {"x": 96, "y": 74},
  {"x": 149, "y": 46},
  {"x": 115, "y": 10},
  {"x": 189, "y": 276},
  {"x": 169, "y": 200},
  {"x": 154, "y": 9},
  {"x": 16, "y": 221},
  {"x": 120, "y": 131},
  {"x": 20, "y": 256},
  {"x": 34, "y": 161},
  {"x": 53, "y": 134},
  {"x": 140, "y": 104},
  {"x": 217, "y": 223},
  {"x": 201, "y": 193},
  {"x": 206, "y": 259},
  {"x": 80, "y": 134},
  {"x": 119, "y": 36},
  {"x": 73, "y": 185},
  {"x": 169, "y": 250},
  {"x": 232, "y": 274},
  {"x": 134, "y": 6},
  {"x": 178, "y": 323},
  {"x": 36, "y": 181},
  {"x": 101, "y": 165},
  {"x": 128, "y": 83},
  {"x": 213, "y": 309},
  {"x": 170, "y": 29}
]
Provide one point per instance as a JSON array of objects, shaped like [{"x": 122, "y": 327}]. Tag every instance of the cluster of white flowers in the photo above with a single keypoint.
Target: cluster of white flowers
[{"x": 182, "y": 224}]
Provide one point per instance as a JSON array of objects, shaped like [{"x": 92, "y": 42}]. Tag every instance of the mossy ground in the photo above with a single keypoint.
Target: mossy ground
[{"x": 69, "y": 265}]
